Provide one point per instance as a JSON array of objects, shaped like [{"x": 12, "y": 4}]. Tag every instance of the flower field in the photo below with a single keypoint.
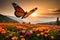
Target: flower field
[{"x": 29, "y": 32}]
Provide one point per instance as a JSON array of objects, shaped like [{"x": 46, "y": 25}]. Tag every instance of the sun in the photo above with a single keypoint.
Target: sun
[{"x": 33, "y": 14}]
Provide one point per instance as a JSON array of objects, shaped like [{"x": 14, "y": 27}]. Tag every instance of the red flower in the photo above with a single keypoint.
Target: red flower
[{"x": 18, "y": 28}]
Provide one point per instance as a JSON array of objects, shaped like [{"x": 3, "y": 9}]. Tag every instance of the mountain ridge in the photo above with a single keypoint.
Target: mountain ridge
[{"x": 5, "y": 19}]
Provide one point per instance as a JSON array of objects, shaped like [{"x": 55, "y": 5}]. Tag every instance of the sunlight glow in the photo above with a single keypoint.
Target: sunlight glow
[{"x": 33, "y": 14}]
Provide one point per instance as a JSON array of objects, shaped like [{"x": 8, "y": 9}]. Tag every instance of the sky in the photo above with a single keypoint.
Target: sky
[{"x": 48, "y": 10}]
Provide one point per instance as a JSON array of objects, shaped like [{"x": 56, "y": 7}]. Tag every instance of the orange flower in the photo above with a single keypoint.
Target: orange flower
[
  {"x": 40, "y": 29},
  {"x": 43, "y": 28},
  {"x": 3, "y": 31},
  {"x": 46, "y": 31},
  {"x": 22, "y": 38},
  {"x": 34, "y": 28},
  {"x": 6, "y": 36},
  {"x": 10, "y": 34},
  {"x": 0, "y": 29},
  {"x": 37, "y": 29},
  {"x": 31, "y": 32},
  {"x": 42, "y": 33},
  {"x": 23, "y": 31},
  {"x": 48, "y": 34},
  {"x": 45, "y": 35},
  {"x": 24, "y": 28},
  {"x": 14, "y": 38},
  {"x": 18, "y": 28},
  {"x": 52, "y": 37},
  {"x": 37, "y": 35},
  {"x": 13, "y": 32}
]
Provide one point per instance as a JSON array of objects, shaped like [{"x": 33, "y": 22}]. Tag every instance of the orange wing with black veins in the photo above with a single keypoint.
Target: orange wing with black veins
[
  {"x": 18, "y": 10},
  {"x": 30, "y": 12}
]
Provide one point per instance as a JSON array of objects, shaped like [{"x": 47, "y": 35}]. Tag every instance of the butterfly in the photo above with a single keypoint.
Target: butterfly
[{"x": 19, "y": 12}]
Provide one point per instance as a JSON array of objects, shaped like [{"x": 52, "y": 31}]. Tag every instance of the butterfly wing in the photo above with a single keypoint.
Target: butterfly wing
[
  {"x": 18, "y": 14},
  {"x": 30, "y": 12},
  {"x": 18, "y": 10}
]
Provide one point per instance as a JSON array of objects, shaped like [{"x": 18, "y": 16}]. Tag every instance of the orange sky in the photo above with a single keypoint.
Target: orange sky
[{"x": 46, "y": 8}]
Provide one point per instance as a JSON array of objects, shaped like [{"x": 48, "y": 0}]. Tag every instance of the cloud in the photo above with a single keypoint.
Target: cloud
[{"x": 58, "y": 10}]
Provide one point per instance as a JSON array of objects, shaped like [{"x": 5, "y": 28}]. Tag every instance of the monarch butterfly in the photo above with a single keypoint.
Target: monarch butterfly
[{"x": 19, "y": 12}]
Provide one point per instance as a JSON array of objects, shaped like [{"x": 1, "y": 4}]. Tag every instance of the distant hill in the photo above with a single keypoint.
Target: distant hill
[
  {"x": 54, "y": 22},
  {"x": 17, "y": 19},
  {"x": 51, "y": 23},
  {"x": 5, "y": 19}
]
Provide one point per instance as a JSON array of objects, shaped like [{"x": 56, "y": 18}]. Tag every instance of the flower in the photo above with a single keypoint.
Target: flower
[
  {"x": 33, "y": 31},
  {"x": 34, "y": 28},
  {"x": 3, "y": 31},
  {"x": 40, "y": 29},
  {"x": 0, "y": 29},
  {"x": 37, "y": 35},
  {"x": 58, "y": 30},
  {"x": 10, "y": 35},
  {"x": 20, "y": 33},
  {"x": 37, "y": 29},
  {"x": 45, "y": 35},
  {"x": 42, "y": 33},
  {"x": 48, "y": 34},
  {"x": 22, "y": 38},
  {"x": 24, "y": 28},
  {"x": 13, "y": 32},
  {"x": 7, "y": 37},
  {"x": 23, "y": 31},
  {"x": 52, "y": 37},
  {"x": 14, "y": 38},
  {"x": 27, "y": 34},
  {"x": 18, "y": 28},
  {"x": 58, "y": 35}
]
